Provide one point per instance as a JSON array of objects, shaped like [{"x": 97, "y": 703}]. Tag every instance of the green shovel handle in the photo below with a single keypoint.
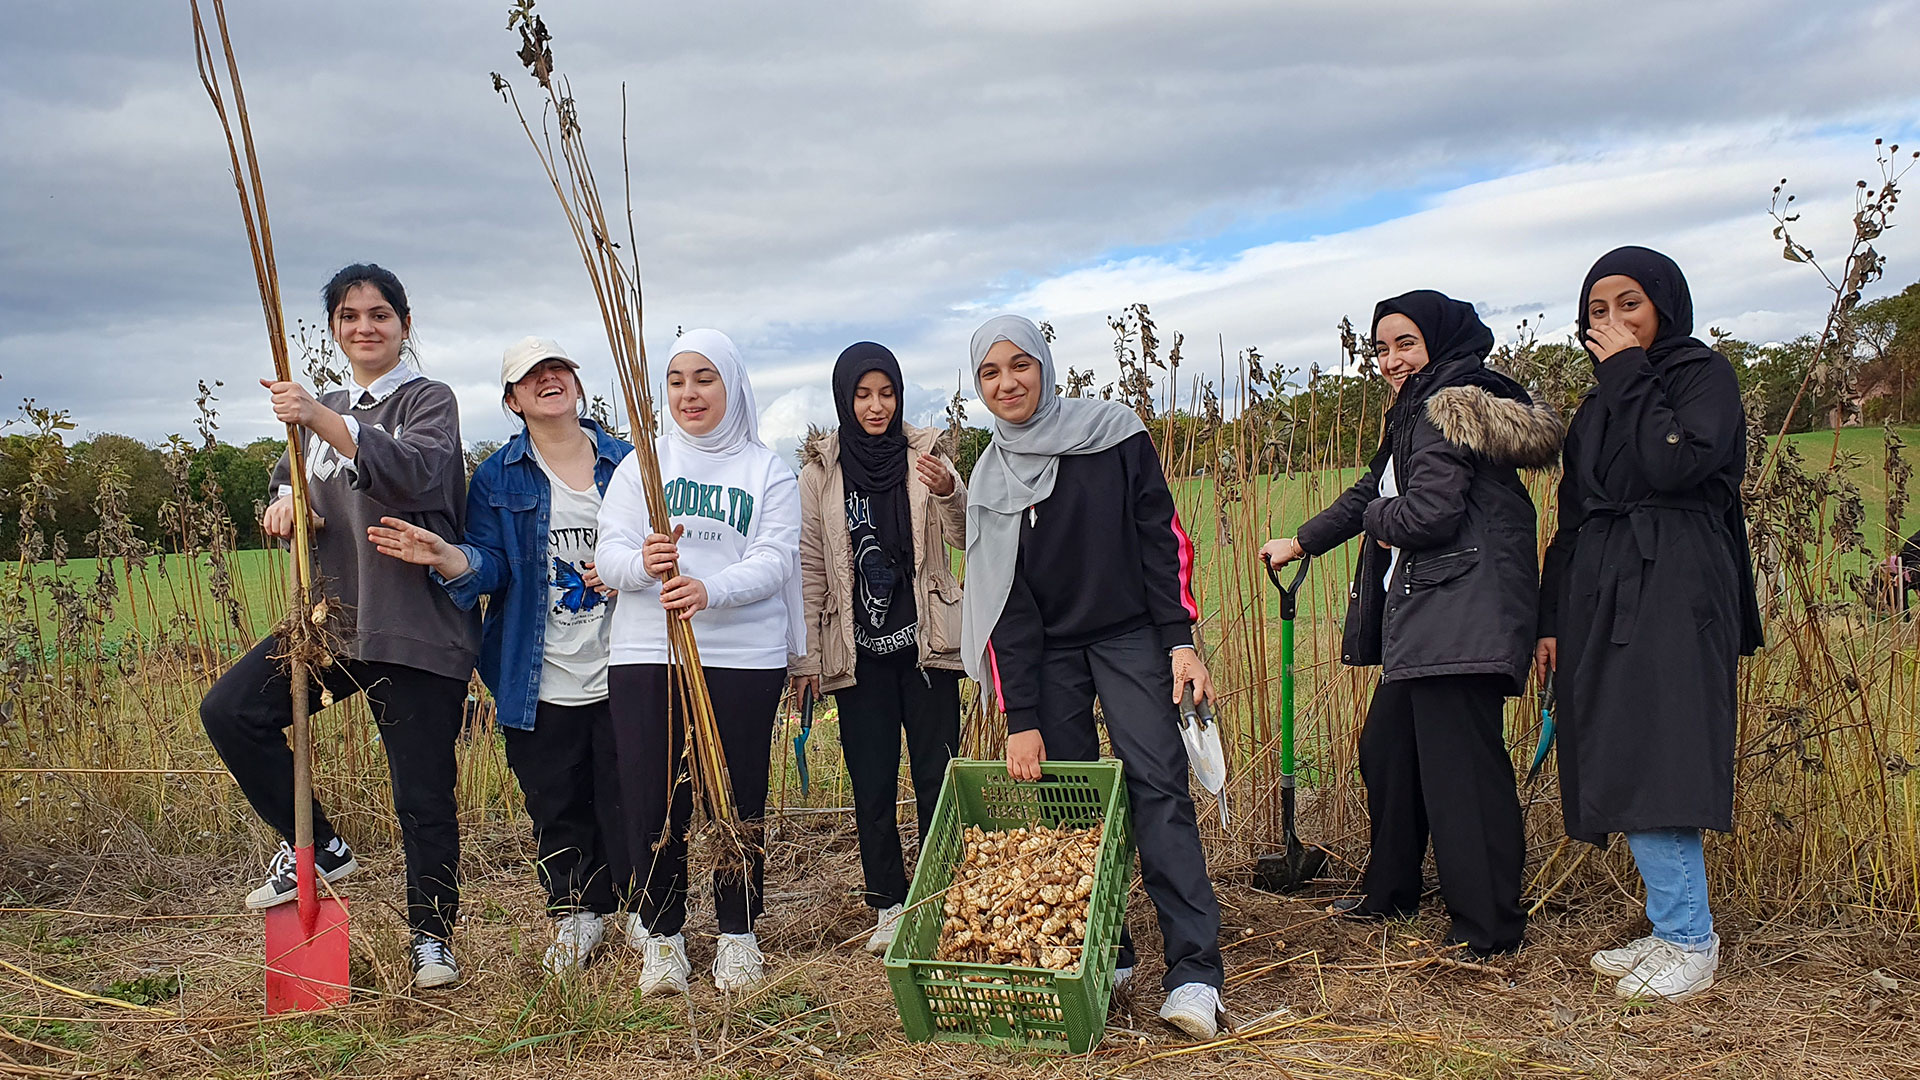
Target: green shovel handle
[{"x": 1289, "y": 606}]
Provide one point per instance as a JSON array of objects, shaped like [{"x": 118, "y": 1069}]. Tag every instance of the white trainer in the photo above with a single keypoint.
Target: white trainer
[
  {"x": 883, "y": 930},
  {"x": 636, "y": 930},
  {"x": 1121, "y": 976},
  {"x": 737, "y": 963},
  {"x": 1619, "y": 963},
  {"x": 1670, "y": 973},
  {"x": 664, "y": 966},
  {"x": 575, "y": 937},
  {"x": 1194, "y": 1008}
]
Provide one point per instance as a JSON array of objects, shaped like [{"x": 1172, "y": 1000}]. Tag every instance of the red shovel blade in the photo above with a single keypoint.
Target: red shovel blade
[{"x": 307, "y": 948}]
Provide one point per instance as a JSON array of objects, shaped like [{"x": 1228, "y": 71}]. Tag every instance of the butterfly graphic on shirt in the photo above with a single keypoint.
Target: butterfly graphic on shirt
[{"x": 575, "y": 595}]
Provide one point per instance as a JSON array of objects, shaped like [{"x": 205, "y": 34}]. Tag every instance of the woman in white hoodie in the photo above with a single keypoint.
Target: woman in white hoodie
[{"x": 732, "y": 567}]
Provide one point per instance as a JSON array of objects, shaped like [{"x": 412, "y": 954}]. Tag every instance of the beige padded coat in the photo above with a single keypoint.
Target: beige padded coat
[{"x": 826, "y": 561}]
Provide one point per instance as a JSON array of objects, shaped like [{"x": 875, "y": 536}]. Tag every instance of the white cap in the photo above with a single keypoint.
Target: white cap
[{"x": 524, "y": 355}]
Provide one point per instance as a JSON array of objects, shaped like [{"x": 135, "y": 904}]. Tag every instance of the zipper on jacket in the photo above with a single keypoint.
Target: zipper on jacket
[{"x": 1406, "y": 576}]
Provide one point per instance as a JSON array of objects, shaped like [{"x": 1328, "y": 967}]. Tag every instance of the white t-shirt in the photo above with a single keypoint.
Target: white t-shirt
[
  {"x": 573, "y": 670},
  {"x": 1389, "y": 488}
]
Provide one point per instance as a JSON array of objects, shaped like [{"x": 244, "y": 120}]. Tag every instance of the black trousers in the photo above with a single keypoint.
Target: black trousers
[
  {"x": 889, "y": 695},
  {"x": 1434, "y": 759},
  {"x": 246, "y": 715},
  {"x": 570, "y": 778},
  {"x": 657, "y": 799},
  {"x": 1133, "y": 678}
]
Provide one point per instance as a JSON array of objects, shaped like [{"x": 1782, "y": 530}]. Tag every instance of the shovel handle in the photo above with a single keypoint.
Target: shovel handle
[
  {"x": 1289, "y": 607},
  {"x": 1191, "y": 712},
  {"x": 1289, "y": 591}
]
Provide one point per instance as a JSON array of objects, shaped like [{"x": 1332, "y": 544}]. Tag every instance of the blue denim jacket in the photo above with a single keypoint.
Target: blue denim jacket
[{"x": 508, "y": 502}]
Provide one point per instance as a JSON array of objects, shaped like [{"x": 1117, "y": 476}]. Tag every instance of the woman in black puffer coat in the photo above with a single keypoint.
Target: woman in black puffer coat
[{"x": 1445, "y": 601}]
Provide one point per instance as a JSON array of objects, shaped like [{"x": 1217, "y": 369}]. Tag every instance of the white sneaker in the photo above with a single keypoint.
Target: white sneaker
[
  {"x": 433, "y": 963},
  {"x": 1619, "y": 963},
  {"x": 1194, "y": 1008},
  {"x": 1121, "y": 977},
  {"x": 663, "y": 966},
  {"x": 1671, "y": 973},
  {"x": 882, "y": 936},
  {"x": 737, "y": 963},
  {"x": 575, "y": 937},
  {"x": 636, "y": 930}
]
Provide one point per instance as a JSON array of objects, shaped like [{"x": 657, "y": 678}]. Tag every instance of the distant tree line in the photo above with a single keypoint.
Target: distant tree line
[{"x": 167, "y": 491}]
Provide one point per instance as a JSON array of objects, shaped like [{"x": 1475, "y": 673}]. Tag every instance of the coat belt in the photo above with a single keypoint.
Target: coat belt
[{"x": 1629, "y": 575}]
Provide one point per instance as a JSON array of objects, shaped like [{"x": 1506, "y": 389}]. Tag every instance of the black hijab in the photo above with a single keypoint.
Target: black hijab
[
  {"x": 1673, "y": 343},
  {"x": 876, "y": 465},
  {"x": 1666, "y": 287},
  {"x": 1457, "y": 347}
]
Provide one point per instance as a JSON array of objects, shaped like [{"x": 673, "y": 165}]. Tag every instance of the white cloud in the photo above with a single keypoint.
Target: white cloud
[
  {"x": 1517, "y": 246},
  {"x": 810, "y": 175}
]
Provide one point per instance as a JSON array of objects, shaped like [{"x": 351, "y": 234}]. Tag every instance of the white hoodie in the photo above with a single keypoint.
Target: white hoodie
[{"x": 740, "y": 504}]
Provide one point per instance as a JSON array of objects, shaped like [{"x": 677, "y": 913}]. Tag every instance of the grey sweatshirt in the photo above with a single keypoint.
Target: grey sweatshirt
[{"x": 408, "y": 465}]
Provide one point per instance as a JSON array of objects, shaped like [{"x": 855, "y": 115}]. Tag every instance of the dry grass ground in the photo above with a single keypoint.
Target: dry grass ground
[{"x": 1310, "y": 997}]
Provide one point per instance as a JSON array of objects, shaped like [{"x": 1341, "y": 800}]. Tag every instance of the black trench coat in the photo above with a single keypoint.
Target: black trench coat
[{"x": 1649, "y": 588}]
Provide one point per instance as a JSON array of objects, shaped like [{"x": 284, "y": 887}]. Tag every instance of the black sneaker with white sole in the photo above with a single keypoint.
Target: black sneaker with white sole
[
  {"x": 433, "y": 962},
  {"x": 331, "y": 862}
]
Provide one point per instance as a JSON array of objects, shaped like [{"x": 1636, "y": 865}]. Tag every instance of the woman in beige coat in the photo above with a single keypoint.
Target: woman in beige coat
[{"x": 879, "y": 508}]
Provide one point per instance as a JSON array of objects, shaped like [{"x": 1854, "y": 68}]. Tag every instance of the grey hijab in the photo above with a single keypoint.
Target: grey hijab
[{"x": 1016, "y": 471}]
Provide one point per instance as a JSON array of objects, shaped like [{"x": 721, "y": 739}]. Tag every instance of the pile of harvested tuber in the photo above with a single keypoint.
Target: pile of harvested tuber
[{"x": 1020, "y": 896}]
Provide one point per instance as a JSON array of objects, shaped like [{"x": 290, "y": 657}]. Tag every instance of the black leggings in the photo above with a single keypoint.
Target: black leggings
[
  {"x": 568, "y": 774},
  {"x": 888, "y": 696},
  {"x": 657, "y": 801},
  {"x": 418, "y": 714}
]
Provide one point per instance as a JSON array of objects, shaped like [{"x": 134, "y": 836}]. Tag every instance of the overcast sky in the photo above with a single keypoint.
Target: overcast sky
[{"x": 809, "y": 175}]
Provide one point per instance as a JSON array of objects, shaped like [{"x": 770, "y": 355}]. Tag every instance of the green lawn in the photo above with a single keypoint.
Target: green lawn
[
  {"x": 174, "y": 586},
  {"x": 167, "y": 589}
]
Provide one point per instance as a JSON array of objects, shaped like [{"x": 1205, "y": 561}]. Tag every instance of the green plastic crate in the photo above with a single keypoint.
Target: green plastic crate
[{"x": 997, "y": 1004}]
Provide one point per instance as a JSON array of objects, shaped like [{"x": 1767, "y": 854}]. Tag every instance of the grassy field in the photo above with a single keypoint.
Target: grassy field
[
  {"x": 171, "y": 590},
  {"x": 124, "y": 848}
]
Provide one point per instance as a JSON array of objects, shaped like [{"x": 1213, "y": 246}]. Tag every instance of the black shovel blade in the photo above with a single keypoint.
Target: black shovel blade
[{"x": 1290, "y": 870}]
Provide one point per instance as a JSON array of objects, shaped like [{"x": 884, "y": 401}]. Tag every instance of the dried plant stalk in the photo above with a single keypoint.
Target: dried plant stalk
[
  {"x": 616, "y": 288},
  {"x": 303, "y": 635}
]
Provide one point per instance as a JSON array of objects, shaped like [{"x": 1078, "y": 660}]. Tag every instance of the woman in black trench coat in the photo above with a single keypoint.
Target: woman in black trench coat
[
  {"x": 1444, "y": 601},
  {"x": 1646, "y": 605}
]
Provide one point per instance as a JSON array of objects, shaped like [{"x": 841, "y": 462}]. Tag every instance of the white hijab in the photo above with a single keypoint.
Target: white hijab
[
  {"x": 738, "y": 432},
  {"x": 740, "y": 426},
  {"x": 1016, "y": 471}
]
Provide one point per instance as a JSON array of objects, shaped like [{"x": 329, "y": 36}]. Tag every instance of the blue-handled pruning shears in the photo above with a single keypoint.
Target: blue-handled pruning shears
[
  {"x": 1546, "y": 732},
  {"x": 800, "y": 740}
]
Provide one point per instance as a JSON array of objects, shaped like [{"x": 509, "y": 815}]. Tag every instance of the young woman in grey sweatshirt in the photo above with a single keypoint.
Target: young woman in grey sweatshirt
[{"x": 386, "y": 445}]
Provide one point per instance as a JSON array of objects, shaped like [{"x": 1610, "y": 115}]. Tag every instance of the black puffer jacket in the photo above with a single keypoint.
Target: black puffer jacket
[{"x": 1463, "y": 599}]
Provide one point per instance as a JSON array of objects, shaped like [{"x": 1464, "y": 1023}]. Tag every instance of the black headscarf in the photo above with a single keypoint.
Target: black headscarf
[
  {"x": 1457, "y": 347},
  {"x": 876, "y": 465},
  {"x": 1673, "y": 344},
  {"x": 1666, "y": 287}
]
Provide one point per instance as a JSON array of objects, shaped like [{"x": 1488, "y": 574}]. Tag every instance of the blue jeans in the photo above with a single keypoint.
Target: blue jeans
[{"x": 1673, "y": 865}]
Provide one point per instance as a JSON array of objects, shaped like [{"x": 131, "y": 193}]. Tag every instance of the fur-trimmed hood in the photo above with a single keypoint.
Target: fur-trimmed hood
[{"x": 1500, "y": 429}]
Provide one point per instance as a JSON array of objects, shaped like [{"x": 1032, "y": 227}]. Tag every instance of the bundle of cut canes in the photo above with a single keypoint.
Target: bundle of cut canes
[
  {"x": 1021, "y": 897},
  {"x": 307, "y": 630},
  {"x": 616, "y": 286}
]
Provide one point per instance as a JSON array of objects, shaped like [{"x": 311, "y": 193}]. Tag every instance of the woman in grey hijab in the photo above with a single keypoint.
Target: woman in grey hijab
[{"x": 1078, "y": 587}]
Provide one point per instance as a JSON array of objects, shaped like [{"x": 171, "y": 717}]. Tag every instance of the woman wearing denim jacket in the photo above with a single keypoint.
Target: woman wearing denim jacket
[{"x": 532, "y": 521}]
